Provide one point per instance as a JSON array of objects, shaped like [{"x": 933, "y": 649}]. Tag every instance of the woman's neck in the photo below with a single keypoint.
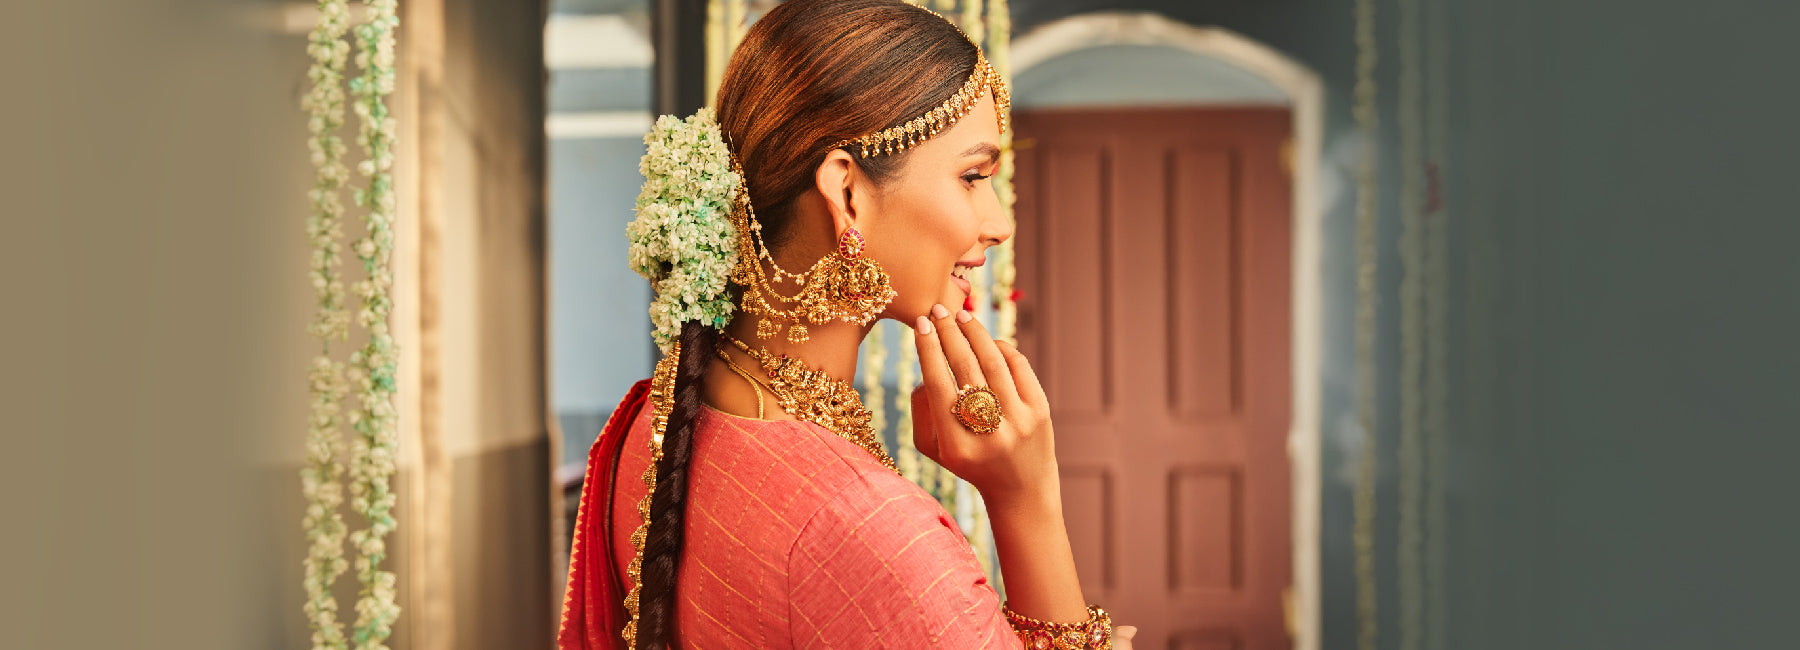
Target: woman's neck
[{"x": 831, "y": 348}]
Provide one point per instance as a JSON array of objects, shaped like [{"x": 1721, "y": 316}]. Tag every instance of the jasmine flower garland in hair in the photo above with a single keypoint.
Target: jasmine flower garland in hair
[{"x": 682, "y": 240}]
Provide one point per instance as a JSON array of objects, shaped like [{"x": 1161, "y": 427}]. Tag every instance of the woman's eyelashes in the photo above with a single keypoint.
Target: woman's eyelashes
[{"x": 969, "y": 178}]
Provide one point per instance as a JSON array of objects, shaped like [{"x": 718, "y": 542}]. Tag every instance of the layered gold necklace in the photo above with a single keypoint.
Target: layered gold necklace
[{"x": 813, "y": 396}]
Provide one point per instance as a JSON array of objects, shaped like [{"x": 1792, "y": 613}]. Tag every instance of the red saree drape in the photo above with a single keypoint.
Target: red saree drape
[{"x": 593, "y": 603}]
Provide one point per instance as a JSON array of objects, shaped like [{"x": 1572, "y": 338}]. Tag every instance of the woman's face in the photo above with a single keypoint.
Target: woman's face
[{"x": 934, "y": 220}]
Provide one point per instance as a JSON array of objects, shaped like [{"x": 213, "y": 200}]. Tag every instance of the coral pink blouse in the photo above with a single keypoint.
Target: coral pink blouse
[{"x": 799, "y": 538}]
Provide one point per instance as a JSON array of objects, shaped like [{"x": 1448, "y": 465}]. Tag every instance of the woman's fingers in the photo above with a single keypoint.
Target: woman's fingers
[
  {"x": 956, "y": 350},
  {"x": 940, "y": 384},
  {"x": 1022, "y": 375},
  {"x": 924, "y": 431},
  {"x": 1122, "y": 636},
  {"x": 993, "y": 364}
]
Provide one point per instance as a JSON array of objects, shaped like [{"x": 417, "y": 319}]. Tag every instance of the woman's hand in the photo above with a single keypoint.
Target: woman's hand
[
  {"x": 1122, "y": 637},
  {"x": 1016, "y": 461}
]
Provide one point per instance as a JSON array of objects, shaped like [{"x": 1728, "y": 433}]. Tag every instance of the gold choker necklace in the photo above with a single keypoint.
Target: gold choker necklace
[{"x": 813, "y": 396}]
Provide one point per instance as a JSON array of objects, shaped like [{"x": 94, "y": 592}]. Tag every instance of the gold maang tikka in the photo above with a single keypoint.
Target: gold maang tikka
[{"x": 845, "y": 285}]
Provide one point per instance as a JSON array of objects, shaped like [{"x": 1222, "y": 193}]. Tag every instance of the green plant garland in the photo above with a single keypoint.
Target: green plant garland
[
  {"x": 375, "y": 446},
  {"x": 320, "y": 479}
]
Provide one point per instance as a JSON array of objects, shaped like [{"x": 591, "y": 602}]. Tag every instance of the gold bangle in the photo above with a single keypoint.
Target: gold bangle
[{"x": 1095, "y": 633}]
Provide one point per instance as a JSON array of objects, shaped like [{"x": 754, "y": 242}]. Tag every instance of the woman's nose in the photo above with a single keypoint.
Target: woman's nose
[{"x": 995, "y": 226}]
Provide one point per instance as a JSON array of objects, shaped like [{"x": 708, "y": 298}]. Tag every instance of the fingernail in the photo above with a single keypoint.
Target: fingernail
[
  {"x": 963, "y": 316},
  {"x": 938, "y": 311},
  {"x": 924, "y": 325}
]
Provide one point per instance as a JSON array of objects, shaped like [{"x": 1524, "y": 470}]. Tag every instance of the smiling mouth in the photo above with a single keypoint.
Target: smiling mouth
[{"x": 960, "y": 276}]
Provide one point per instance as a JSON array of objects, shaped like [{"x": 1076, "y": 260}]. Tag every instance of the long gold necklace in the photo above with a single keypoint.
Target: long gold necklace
[
  {"x": 755, "y": 384},
  {"x": 813, "y": 396}
]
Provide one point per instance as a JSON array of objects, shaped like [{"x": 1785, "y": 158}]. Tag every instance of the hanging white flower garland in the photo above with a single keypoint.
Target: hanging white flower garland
[
  {"x": 1006, "y": 298},
  {"x": 320, "y": 479},
  {"x": 373, "y": 367},
  {"x": 376, "y": 445}
]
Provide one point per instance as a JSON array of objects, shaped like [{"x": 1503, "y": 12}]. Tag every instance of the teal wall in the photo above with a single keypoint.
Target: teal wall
[{"x": 1624, "y": 298}]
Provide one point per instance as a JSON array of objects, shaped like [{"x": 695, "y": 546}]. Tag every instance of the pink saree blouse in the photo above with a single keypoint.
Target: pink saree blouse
[{"x": 796, "y": 538}]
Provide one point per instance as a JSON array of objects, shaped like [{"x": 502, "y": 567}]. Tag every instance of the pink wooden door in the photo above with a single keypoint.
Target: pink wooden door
[{"x": 1153, "y": 251}]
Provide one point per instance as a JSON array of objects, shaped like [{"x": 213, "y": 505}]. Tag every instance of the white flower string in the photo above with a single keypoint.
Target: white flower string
[
  {"x": 1368, "y": 120},
  {"x": 908, "y": 456},
  {"x": 320, "y": 479},
  {"x": 874, "y": 361},
  {"x": 1006, "y": 300},
  {"x": 682, "y": 239},
  {"x": 971, "y": 21},
  {"x": 375, "y": 447}
]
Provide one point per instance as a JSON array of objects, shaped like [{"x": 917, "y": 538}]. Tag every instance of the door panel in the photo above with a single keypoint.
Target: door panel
[{"x": 1153, "y": 249}]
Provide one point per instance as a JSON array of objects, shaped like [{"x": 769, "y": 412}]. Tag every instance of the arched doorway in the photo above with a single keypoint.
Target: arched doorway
[{"x": 1169, "y": 251}]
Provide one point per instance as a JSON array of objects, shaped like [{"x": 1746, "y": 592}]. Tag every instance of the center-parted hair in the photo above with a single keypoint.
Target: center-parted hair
[{"x": 808, "y": 74}]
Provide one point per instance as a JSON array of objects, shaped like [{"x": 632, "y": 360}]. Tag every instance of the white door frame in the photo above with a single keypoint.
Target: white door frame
[{"x": 1307, "y": 95}]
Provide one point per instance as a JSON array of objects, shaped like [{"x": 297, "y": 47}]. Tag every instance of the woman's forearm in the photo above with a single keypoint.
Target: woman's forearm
[{"x": 1035, "y": 558}]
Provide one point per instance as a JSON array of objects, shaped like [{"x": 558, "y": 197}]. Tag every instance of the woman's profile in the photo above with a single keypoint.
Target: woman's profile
[{"x": 739, "y": 497}]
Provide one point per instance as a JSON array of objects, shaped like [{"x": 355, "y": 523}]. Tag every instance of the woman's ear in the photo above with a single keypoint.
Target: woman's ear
[{"x": 838, "y": 181}]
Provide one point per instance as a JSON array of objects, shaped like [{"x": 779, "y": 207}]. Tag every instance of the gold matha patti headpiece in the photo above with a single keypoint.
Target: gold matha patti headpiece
[{"x": 982, "y": 80}]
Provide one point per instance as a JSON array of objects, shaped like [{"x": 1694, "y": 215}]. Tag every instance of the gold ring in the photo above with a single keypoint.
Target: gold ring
[{"x": 977, "y": 408}]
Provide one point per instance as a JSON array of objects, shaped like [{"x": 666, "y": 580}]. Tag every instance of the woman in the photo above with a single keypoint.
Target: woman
[{"x": 855, "y": 140}]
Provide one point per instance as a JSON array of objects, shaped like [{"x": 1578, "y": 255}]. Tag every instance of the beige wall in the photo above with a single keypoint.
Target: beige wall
[
  {"x": 479, "y": 573},
  {"x": 155, "y": 183}
]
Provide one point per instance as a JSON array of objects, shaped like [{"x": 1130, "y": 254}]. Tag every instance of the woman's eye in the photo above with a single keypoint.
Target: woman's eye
[{"x": 971, "y": 177}]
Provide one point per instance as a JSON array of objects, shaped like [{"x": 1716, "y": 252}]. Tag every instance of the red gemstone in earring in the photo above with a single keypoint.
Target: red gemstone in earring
[{"x": 850, "y": 244}]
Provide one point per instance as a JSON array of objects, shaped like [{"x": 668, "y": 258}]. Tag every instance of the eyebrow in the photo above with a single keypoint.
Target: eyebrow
[{"x": 988, "y": 148}]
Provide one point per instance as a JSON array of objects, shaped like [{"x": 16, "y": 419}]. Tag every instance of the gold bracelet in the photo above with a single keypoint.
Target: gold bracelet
[{"x": 1095, "y": 633}]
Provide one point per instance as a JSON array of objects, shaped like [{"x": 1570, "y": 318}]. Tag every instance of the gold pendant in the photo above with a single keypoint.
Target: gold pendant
[{"x": 797, "y": 333}]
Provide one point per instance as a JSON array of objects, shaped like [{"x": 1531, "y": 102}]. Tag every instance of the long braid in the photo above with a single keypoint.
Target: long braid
[{"x": 668, "y": 507}]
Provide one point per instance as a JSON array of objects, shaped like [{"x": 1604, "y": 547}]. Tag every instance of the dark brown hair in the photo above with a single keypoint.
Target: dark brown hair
[{"x": 809, "y": 74}]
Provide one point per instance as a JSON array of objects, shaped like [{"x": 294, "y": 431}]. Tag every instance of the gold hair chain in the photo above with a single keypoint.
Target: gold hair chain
[{"x": 662, "y": 402}]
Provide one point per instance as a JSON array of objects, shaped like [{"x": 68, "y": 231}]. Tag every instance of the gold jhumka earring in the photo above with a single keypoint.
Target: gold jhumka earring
[{"x": 844, "y": 285}]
